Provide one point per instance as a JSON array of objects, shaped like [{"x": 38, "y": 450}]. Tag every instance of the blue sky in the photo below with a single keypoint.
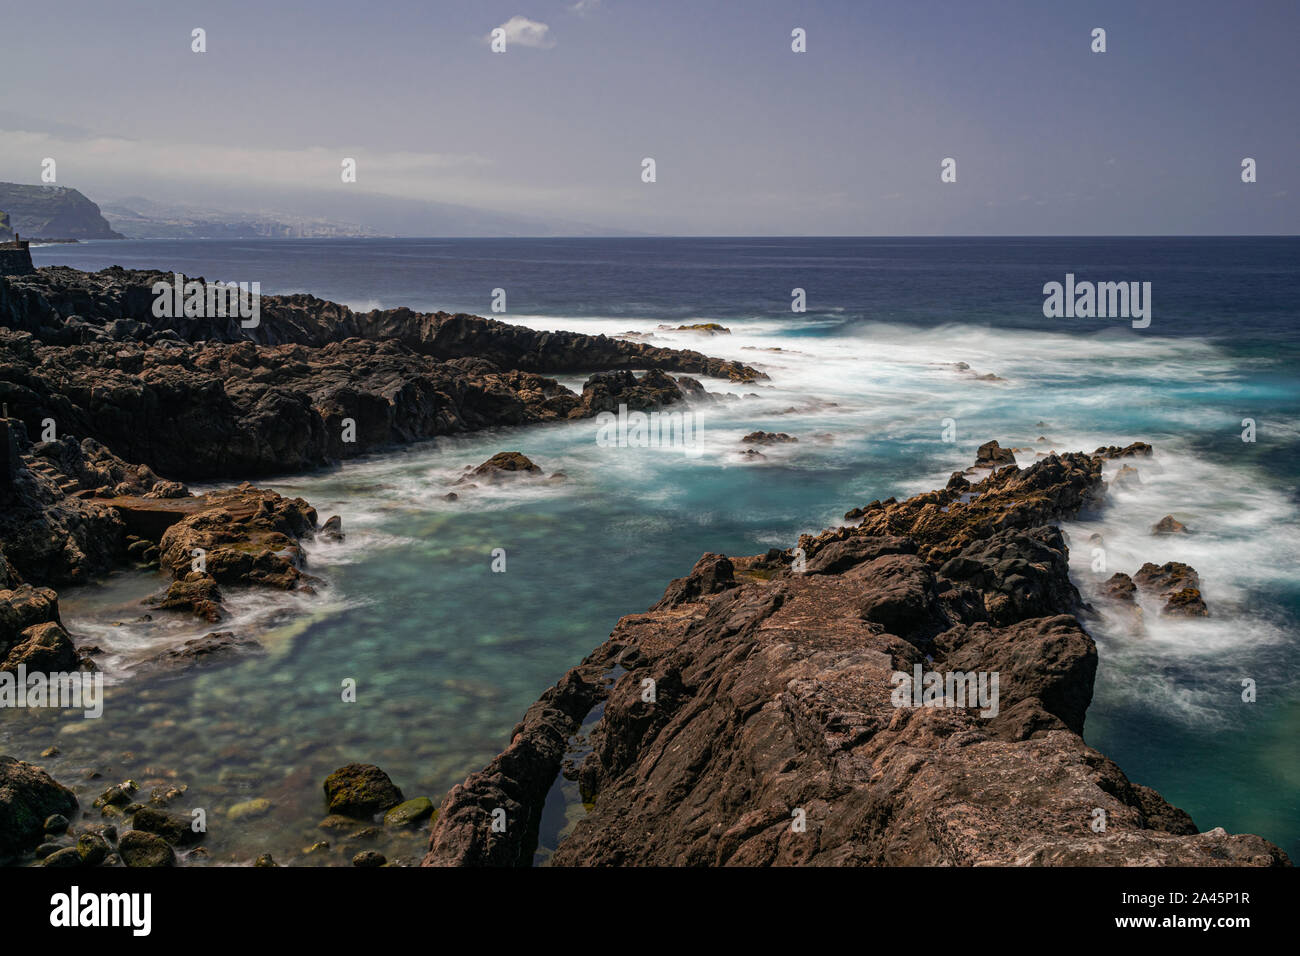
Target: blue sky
[{"x": 748, "y": 137}]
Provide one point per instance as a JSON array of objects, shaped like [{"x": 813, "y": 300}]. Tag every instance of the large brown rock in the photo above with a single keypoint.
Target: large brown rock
[
  {"x": 248, "y": 536},
  {"x": 44, "y": 648},
  {"x": 753, "y": 716}
]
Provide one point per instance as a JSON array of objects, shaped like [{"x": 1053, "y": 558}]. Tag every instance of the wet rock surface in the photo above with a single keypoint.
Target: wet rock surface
[
  {"x": 28, "y": 798},
  {"x": 773, "y": 736},
  {"x": 360, "y": 791}
]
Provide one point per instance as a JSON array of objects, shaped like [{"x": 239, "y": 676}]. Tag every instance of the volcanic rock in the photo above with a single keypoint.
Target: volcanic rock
[
  {"x": 992, "y": 454},
  {"x": 773, "y": 704},
  {"x": 768, "y": 438},
  {"x": 1169, "y": 525}
]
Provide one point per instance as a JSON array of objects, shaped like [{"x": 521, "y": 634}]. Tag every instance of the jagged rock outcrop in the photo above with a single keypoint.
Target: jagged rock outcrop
[
  {"x": 993, "y": 455},
  {"x": 755, "y": 715},
  {"x": 1177, "y": 584},
  {"x": 312, "y": 383}
]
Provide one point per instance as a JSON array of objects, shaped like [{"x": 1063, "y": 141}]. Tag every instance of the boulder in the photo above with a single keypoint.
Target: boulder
[
  {"x": 175, "y": 828},
  {"x": 360, "y": 791},
  {"x": 140, "y": 849},
  {"x": 1169, "y": 525},
  {"x": 44, "y": 648},
  {"x": 991, "y": 454},
  {"x": 502, "y": 464},
  {"x": 28, "y": 797},
  {"x": 768, "y": 438},
  {"x": 92, "y": 848}
]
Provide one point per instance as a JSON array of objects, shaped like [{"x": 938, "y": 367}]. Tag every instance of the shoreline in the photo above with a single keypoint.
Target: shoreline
[
  {"x": 143, "y": 517},
  {"x": 747, "y": 718}
]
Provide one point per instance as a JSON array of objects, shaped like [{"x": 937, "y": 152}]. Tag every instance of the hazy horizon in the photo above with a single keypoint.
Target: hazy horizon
[{"x": 749, "y": 137}]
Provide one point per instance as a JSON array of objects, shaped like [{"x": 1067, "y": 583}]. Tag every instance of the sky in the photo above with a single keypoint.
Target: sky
[{"x": 748, "y": 136}]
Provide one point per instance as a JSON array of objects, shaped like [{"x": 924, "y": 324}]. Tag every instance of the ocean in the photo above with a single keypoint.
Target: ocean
[{"x": 910, "y": 354}]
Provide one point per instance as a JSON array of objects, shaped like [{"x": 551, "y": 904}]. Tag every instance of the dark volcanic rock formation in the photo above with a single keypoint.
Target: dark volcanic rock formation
[
  {"x": 1177, "y": 583},
  {"x": 992, "y": 454},
  {"x": 768, "y": 438},
  {"x": 749, "y": 718},
  {"x": 312, "y": 383},
  {"x": 502, "y": 464}
]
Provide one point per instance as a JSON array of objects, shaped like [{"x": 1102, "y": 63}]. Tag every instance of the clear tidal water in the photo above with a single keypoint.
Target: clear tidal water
[{"x": 447, "y": 654}]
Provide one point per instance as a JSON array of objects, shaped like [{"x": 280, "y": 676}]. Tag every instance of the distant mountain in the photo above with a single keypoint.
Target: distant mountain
[
  {"x": 53, "y": 212},
  {"x": 57, "y": 212},
  {"x": 295, "y": 213},
  {"x": 140, "y": 218}
]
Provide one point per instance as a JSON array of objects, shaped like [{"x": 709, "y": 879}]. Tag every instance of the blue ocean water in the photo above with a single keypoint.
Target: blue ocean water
[{"x": 900, "y": 338}]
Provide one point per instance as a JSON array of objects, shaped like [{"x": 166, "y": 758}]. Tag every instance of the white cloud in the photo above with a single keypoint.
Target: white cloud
[
  {"x": 584, "y": 7},
  {"x": 521, "y": 31}
]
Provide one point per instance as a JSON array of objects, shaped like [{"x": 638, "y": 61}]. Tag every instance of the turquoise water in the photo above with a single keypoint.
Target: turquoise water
[{"x": 447, "y": 654}]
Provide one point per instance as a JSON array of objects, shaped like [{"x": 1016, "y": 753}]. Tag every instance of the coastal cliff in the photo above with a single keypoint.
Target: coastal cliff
[
  {"x": 53, "y": 212},
  {"x": 752, "y": 716}
]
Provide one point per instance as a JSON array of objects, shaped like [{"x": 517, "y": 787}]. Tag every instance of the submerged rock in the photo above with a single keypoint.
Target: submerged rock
[
  {"x": 213, "y": 649},
  {"x": 249, "y": 809},
  {"x": 410, "y": 813},
  {"x": 1127, "y": 477}
]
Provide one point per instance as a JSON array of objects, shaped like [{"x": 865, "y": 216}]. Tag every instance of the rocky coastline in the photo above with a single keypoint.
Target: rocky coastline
[
  {"x": 750, "y": 717},
  {"x": 100, "y": 397},
  {"x": 756, "y": 694}
]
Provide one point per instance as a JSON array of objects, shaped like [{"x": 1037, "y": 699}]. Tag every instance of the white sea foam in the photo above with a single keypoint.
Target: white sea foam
[{"x": 881, "y": 395}]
